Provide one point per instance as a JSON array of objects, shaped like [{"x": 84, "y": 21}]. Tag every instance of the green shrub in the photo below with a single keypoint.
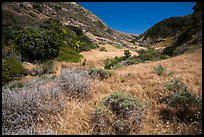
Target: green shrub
[
  {"x": 38, "y": 7},
  {"x": 48, "y": 66},
  {"x": 95, "y": 72},
  {"x": 79, "y": 40},
  {"x": 129, "y": 62},
  {"x": 149, "y": 54},
  {"x": 182, "y": 104},
  {"x": 160, "y": 70},
  {"x": 188, "y": 107},
  {"x": 43, "y": 42},
  {"x": 36, "y": 43},
  {"x": 69, "y": 55},
  {"x": 182, "y": 100},
  {"x": 174, "y": 85},
  {"x": 57, "y": 8},
  {"x": 11, "y": 69},
  {"x": 15, "y": 84},
  {"x": 127, "y": 53},
  {"x": 119, "y": 101},
  {"x": 169, "y": 50},
  {"x": 113, "y": 63},
  {"x": 119, "y": 113}
]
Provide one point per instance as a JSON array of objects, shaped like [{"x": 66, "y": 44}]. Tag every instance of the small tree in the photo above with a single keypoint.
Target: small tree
[{"x": 127, "y": 53}]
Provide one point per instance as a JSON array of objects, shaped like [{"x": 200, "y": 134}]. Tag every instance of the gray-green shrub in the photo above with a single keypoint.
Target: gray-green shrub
[
  {"x": 160, "y": 70},
  {"x": 23, "y": 107},
  {"x": 119, "y": 113},
  {"x": 76, "y": 83}
]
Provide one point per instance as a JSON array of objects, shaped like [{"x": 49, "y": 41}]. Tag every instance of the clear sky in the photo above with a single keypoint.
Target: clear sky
[{"x": 136, "y": 17}]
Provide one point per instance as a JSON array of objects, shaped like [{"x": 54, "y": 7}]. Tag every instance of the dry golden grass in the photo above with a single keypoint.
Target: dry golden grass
[
  {"x": 139, "y": 80},
  {"x": 96, "y": 57}
]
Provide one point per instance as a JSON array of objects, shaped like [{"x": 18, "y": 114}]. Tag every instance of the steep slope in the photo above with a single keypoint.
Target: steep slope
[
  {"x": 15, "y": 14},
  {"x": 184, "y": 31}
]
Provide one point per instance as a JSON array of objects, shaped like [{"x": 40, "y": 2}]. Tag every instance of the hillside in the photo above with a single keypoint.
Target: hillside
[
  {"x": 15, "y": 14},
  {"x": 185, "y": 33}
]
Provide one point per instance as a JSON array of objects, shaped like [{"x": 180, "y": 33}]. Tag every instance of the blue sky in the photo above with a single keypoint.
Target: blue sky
[{"x": 136, "y": 17}]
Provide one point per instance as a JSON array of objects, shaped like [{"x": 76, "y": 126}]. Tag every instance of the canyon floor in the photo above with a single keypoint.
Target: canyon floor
[{"x": 138, "y": 80}]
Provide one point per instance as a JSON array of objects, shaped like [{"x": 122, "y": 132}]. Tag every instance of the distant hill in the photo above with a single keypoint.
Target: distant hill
[{"x": 186, "y": 30}]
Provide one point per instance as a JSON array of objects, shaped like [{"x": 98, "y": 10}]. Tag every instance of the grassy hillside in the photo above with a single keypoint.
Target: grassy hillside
[{"x": 185, "y": 32}]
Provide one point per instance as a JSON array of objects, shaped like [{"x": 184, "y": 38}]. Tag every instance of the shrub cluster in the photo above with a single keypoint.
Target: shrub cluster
[
  {"x": 150, "y": 55},
  {"x": 45, "y": 68},
  {"x": 69, "y": 55},
  {"x": 118, "y": 113},
  {"x": 160, "y": 70},
  {"x": 116, "y": 62},
  {"x": 11, "y": 69},
  {"x": 175, "y": 85},
  {"x": 47, "y": 41},
  {"x": 101, "y": 73},
  {"x": 24, "y": 107},
  {"x": 113, "y": 63},
  {"x": 127, "y": 59},
  {"x": 38, "y": 6},
  {"x": 182, "y": 104},
  {"x": 76, "y": 83}
]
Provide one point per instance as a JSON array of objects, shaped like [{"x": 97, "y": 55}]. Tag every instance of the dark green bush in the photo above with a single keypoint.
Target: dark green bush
[
  {"x": 38, "y": 7},
  {"x": 77, "y": 30},
  {"x": 101, "y": 73},
  {"x": 182, "y": 100},
  {"x": 127, "y": 53},
  {"x": 11, "y": 69},
  {"x": 44, "y": 42},
  {"x": 36, "y": 43},
  {"x": 177, "y": 47},
  {"x": 80, "y": 41},
  {"x": 150, "y": 54},
  {"x": 57, "y": 8},
  {"x": 69, "y": 55},
  {"x": 169, "y": 50},
  {"x": 113, "y": 63}
]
